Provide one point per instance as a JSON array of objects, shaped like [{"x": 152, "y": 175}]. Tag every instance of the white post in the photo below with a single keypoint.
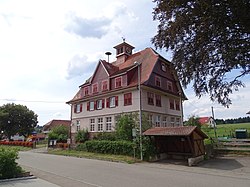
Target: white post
[{"x": 140, "y": 115}]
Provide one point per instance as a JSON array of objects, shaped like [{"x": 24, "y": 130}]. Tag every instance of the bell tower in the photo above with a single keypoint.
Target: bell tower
[{"x": 123, "y": 51}]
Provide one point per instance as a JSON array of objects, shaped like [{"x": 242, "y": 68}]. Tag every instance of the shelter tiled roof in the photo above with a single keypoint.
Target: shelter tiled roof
[
  {"x": 173, "y": 131},
  {"x": 53, "y": 123}
]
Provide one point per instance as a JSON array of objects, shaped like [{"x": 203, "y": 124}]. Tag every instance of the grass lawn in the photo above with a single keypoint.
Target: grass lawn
[
  {"x": 82, "y": 154},
  {"x": 226, "y": 129},
  {"x": 18, "y": 148}
]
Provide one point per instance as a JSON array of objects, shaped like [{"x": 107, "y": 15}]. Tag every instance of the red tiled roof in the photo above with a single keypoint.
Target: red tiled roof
[
  {"x": 54, "y": 123},
  {"x": 204, "y": 120},
  {"x": 173, "y": 131}
]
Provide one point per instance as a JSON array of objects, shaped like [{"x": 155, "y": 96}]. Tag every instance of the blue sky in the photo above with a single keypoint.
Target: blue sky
[{"x": 49, "y": 48}]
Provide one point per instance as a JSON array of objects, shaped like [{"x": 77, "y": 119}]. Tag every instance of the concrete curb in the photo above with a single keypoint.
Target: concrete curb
[{"x": 18, "y": 179}]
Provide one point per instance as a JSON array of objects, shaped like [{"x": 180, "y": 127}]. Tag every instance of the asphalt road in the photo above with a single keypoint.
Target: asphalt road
[{"x": 76, "y": 172}]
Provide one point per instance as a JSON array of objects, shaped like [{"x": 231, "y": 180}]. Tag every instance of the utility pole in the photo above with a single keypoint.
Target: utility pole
[
  {"x": 215, "y": 134},
  {"x": 140, "y": 114}
]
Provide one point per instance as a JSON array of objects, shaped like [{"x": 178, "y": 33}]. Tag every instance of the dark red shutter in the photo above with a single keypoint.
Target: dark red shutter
[
  {"x": 81, "y": 108},
  {"x": 107, "y": 102},
  {"x": 130, "y": 98},
  {"x": 75, "y": 108},
  {"x": 87, "y": 106},
  {"x": 95, "y": 104},
  {"x": 103, "y": 103},
  {"x": 125, "y": 99},
  {"x": 116, "y": 100}
]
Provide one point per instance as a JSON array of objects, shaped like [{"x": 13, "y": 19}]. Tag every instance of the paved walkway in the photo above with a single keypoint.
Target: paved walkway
[{"x": 28, "y": 183}]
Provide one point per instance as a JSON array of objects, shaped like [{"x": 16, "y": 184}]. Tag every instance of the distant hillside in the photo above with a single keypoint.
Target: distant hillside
[{"x": 232, "y": 121}]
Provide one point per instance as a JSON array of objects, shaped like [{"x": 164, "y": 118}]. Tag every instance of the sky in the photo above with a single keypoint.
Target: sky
[{"x": 50, "y": 47}]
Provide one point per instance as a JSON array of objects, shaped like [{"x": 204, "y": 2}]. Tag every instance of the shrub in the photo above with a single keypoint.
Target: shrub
[
  {"x": 111, "y": 136},
  {"x": 8, "y": 166},
  {"x": 81, "y": 147},
  {"x": 59, "y": 133},
  {"x": 82, "y": 136},
  {"x": 111, "y": 147}
]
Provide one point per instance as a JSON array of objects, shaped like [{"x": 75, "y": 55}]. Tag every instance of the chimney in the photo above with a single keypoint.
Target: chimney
[{"x": 123, "y": 51}]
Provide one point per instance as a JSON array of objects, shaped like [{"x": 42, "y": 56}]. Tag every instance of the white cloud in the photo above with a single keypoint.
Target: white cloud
[{"x": 80, "y": 66}]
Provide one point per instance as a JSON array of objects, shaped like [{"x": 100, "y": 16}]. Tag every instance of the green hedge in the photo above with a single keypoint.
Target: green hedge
[
  {"x": 8, "y": 166},
  {"x": 110, "y": 147}
]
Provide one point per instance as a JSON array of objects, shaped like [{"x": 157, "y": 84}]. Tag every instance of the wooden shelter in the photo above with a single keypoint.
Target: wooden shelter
[{"x": 186, "y": 142}]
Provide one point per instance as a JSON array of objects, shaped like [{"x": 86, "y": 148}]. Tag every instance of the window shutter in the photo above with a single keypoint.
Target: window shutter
[
  {"x": 103, "y": 103},
  {"x": 75, "y": 108},
  {"x": 87, "y": 106},
  {"x": 107, "y": 102},
  {"x": 116, "y": 100},
  {"x": 95, "y": 104},
  {"x": 125, "y": 99},
  {"x": 81, "y": 107}
]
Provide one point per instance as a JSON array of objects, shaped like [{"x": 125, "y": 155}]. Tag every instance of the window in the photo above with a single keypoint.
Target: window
[
  {"x": 86, "y": 91},
  {"x": 118, "y": 82},
  {"x": 127, "y": 99},
  {"x": 157, "y": 81},
  {"x": 108, "y": 123},
  {"x": 164, "y": 121},
  {"x": 112, "y": 102},
  {"x": 170, "y": 86},
  {"x": 104, "y": 85},
  {"x": 177, "y": 121},
  {"x": 150, "y": 98},
  {"x": 100, "y": 124},
  {"x": 177, "y": 105},
  {"x": 172, "y": 120},
  {"x": 171, "y": 104},
  {"x": 100, "y": 104},
  {"x": 150, "y": 119},
  {"x": 95, "y": 88},
  {"x": 158, "y": 100},
  {"x": 163, "y": 67},
  {"x": 92, "y": 125},
  {"x": 157, "y": 121},
  {"x": 91, "y": 105},
  {"x": 77, "y": 125},
  {"x": 77, "y": 108}
]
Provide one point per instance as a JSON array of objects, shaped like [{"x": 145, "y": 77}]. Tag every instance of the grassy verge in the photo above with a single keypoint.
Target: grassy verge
[
  {"x": 226, "y": 129},
  {"x": 18, "y": 148},
  {"x": 82, "y": 154}
]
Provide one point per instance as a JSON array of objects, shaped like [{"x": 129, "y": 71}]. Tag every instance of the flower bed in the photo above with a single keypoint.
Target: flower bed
[
  {"x": 62, "y": 145},
  {"x": 17, "y": 143}
]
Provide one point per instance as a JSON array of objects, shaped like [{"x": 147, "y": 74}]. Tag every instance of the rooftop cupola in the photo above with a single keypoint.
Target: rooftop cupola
[{"x": 123, "y": 51}]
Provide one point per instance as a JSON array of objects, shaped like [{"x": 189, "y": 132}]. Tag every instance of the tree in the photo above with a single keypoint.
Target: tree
[
  {"x": 124, "y": 127},
  {"x": 82, "y": 136},
  {"x": 193, "y": 121},
  {"x": 209, "y": 40},
  {"x": 17, "y": 119},
  {"x": 59, "y": 133}
]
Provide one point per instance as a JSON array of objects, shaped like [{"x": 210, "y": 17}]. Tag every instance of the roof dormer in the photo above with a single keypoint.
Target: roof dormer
[{"x": 123, "y": 51}]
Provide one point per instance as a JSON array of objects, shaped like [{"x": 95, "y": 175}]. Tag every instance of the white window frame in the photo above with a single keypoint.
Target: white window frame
[
  {"x": 78, "y": 125},
  {"x": 99, "y": 124},
  {"x": 108, "y": 123},
  {"x": 164, "y": 121},
  {"x": 91, "y": 105},
  {"x": 112, "y": 102},
  {"x": 150, "y": 119},
  {"x": 99, "y": 104},
  {"x": 157, "y": 121},
  {"x": 177, "y": 121},
  {"x": 92, "y": 125},
  {"x": 78, "y": 108},
  {"x": 172, "y": 121}
]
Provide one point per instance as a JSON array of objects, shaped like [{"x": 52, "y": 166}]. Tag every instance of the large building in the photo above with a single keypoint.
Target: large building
[{"x": 113, "y": 89}]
